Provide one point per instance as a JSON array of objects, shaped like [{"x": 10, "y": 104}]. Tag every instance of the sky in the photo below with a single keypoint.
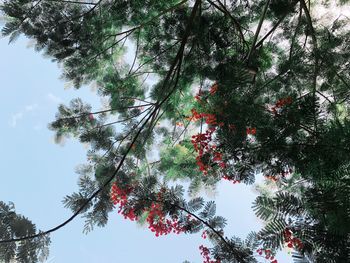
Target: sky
[{"x": 36, "y": 173}]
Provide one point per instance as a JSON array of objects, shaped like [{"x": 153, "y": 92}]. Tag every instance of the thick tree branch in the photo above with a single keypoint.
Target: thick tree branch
[
  {"x": 315, "y": 47},
  {"x": 273, "y": 29},
  {"x": 262, "y": 18}
]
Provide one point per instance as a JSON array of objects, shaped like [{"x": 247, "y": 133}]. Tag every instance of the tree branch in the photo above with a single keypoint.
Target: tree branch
[
  {"x": 223, "y": 9},
  {"x": 95, "y": 194},
  {"x": 272, "y": 29},
  {"x": 262, "y": 18}
]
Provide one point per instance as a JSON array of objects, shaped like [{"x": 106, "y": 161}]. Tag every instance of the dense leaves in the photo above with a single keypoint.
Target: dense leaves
[
  {"x": 15, "y": 225},
  {"x": 214, "y": 90}
]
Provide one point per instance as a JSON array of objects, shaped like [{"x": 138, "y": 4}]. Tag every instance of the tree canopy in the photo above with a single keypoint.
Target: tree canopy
[{"x": 239, "y": 88}]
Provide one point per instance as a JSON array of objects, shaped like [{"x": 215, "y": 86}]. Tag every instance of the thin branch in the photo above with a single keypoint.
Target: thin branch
[
  {"x": 133, "y": 98},
  {"x": 262, "y": 18},
  {"x": 217, "y": 233},
  {"x": 76, "y": 17},
  {"x": 182, "y": 132},
  {"x": 123, "y": 120},
  {"x": 325, "y": 97},
  {"x": 93, "y": 59},
  {"x": 102, "y": 111},
  {"x": 73, "y": 2},
  {"x": 155, "y": 17},
  {"x": 295, "y": 35},
  {"x": 272, "y": 80},
  {"x": 315, "y": 47},
  {"x": 237, "y": 25},
  {"x": 95, "y": 194},
  {"x": 136, "y": 52},
  {"x": 29, "y": 13},
  {"x": 235, "y": 251},
  {"x": 154, "y": 57},
  {"x": 273, "y": 29}
]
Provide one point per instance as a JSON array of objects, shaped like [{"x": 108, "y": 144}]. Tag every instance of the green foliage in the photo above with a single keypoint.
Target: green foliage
[
  {"x": 195, "y": 204},
  {"x": 178, "y": 162},
  {"x": 280, "y": 104},
  {"x": 13, "y": 225}
]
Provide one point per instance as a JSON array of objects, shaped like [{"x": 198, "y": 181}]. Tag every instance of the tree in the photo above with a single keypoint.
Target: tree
[
  {"x": 230, "y": 101},
  {"x": 13, "y": 225}
]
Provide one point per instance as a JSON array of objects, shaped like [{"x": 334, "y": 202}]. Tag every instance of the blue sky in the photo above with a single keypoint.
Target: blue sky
[{"x": 37, "y": 173}]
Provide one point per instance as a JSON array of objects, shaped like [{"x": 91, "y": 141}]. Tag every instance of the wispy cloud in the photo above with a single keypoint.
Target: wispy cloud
[
  {"x": 15, "y": 118},
  {"x": 19, "y": 115},
  {"x": 54, "y": 98},
  {"x": 31, "y": 107}
]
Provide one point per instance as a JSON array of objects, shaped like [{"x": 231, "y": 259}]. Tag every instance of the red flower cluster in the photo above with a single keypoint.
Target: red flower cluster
[
  {"x": 272, "y": 178},
  {"x": 284, "y": 101},
  {"x": 120, "y": 197},
  {"x": 267, "y": 255},
  {"x": 205, "y": 253},
  {"x": 280, "y": 103},
  {"x": 202, "y": 144},
  {"x": 201, "y": 141},
  {"x": 210, "y": 119},
  {"x": 292, "y": 241},
  {"x": 160, "y": 225},
  {"x": 156, "y": 218},
  {"x": 204, "y": 234},
  {"x": 251, "y": 131},
  {"x": 213, "y": 89}
]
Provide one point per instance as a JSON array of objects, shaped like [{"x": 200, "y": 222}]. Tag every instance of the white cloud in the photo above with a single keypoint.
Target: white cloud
[
  {"x": 15, "y": 118},
  {"x": 31, "y": 107},
  {"x": 54, "y": 98},
  {"x": 19, "y": 115}
]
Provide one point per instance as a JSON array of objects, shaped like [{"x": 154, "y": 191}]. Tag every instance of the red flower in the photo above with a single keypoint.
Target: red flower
[
  {"x": 280, "y": 103},
  {"x": 214, "y": 88},
  {"x": 267, "y": 255},
  {"x": 251, "y": 131},
  {"x": 205, "y": 253},
  {"x": 159, "y": 224}
]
